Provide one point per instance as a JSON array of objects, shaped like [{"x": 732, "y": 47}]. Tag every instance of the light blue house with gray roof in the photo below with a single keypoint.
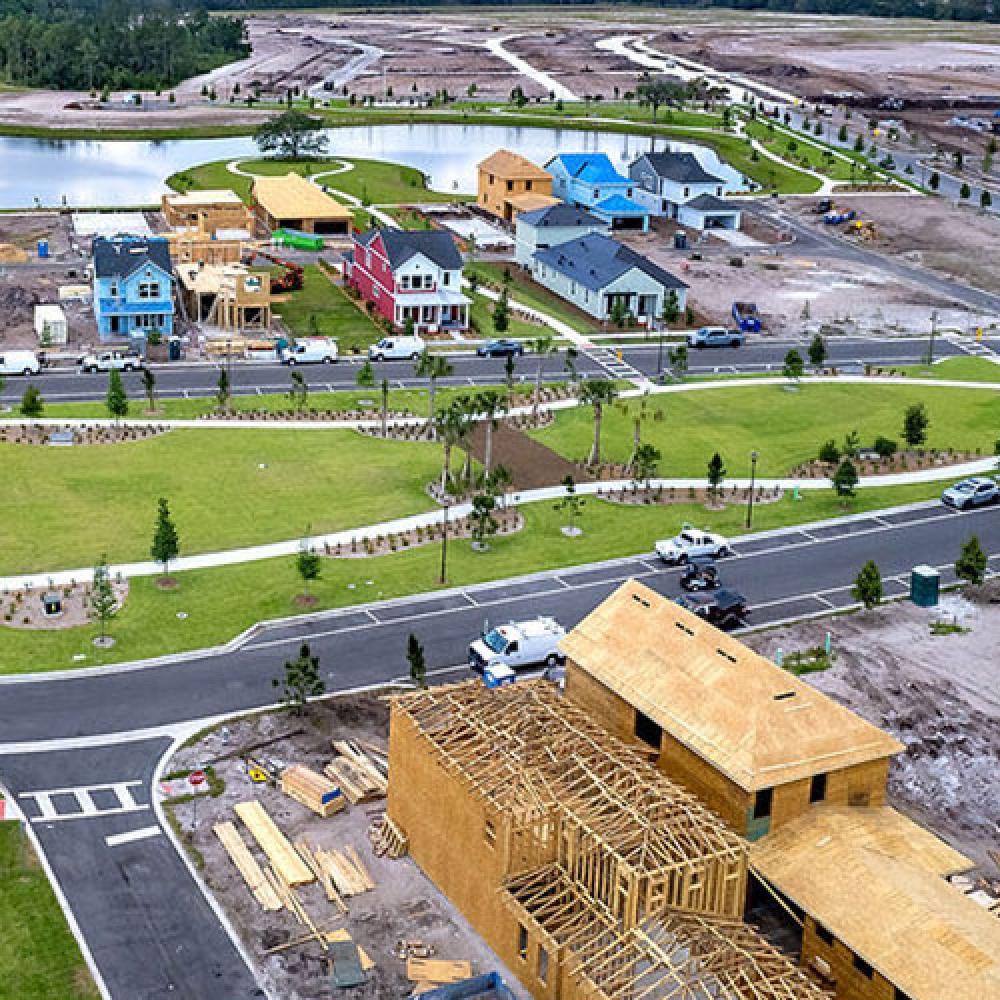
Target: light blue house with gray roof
[{"x": 590, "y": 181}]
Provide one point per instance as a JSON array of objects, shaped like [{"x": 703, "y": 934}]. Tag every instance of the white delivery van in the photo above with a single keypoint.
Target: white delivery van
[
  {"x": 397, "y": 349},
  {"x": 19, "y": 363},
  {"x": 519, "y": 644},
  {"x": 310, "y": 351}
]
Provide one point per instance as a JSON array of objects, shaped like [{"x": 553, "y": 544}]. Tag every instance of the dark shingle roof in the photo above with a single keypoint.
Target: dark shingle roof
[
  {"x": 401, "y": 244},
  {"x": 559, "y": 215},
  {"x": 595, "y": 260},
  {"x": 118, "y": 258},
  {"x": 709, "y": 203},
  {"x": 681, "y": 167}
]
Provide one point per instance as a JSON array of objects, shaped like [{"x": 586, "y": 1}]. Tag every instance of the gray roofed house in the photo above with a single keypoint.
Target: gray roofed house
[
  {"x": 684, "y": 168},
  {"x": 594, "y": 272},
  {"x": 559, "y": 215},
  {"x": 402, "y": 244},
  {"x": 549, "y": 227},
  {"x": 122, "y": 256},
  {"x": 677, "y": 186}
]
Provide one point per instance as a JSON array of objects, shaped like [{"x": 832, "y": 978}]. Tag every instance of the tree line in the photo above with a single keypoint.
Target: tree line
[{"x": 112, "y": 44}]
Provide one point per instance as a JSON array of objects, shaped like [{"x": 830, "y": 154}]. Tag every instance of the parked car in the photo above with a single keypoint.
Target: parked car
[
  {"x": 310, "y": 351},
  {"x": 104, "y": 361},
  {"x": 519, "y": 644},
  {"x": 975, "y": 492},
  {"x": 722, "y": 608},
  {"x": 19, "y": 363},
  {"x": 397, "y": 349},
  {"x": 500, "y": 349},
  {"x": 715, "y": 336},
  {"x": 701, "y": 573},
  {"x": 691, "y": 544}
]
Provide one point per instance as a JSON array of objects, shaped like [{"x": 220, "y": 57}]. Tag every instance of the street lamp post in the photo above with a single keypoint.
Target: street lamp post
[{"x": 753, "y": 476}]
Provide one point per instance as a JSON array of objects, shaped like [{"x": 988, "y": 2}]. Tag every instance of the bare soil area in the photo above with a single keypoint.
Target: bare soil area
[
  {"x": 939, "y": 695},
  {"x": 404, "y": 904},
  {"x": 24, "y": 608}
]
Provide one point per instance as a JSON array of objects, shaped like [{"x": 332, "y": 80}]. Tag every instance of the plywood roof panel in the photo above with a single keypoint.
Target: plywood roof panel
[{"x": 293, "y": 197}]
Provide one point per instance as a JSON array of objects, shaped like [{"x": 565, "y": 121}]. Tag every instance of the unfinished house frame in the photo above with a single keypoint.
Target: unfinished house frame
[
  {"x": 230, "y": 297},
  {"x": 589, "y": 872}
]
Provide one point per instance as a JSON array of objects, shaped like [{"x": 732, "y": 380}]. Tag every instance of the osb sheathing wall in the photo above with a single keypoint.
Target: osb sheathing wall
[
  {"x": 861, "y": 785},
  {"x": 600, "y": 703},
  {"x": 851, "y": 983}
]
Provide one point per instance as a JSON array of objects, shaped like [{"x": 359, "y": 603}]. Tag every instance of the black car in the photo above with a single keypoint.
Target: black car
[
  {"x": 722, "y": 608},
  {"x": 500, "y": 349},
  {"x": 700, "y": 574}
]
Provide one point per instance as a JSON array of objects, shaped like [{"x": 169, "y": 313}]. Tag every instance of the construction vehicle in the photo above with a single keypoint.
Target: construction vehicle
[
  {"x": 839, "y": 217},
  {"x": 746, "y": 317},
  {"x": 825, "y": 205},
  {"x": 290, "y": 281}
]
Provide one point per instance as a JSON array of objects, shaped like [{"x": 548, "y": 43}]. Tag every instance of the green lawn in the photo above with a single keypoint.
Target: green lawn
[
  {"x": 322, "y": 308},
  {"x": 39, "y": 957},
  {"x": 787, "y": 428},
  {"x": 409, "y": 218},
  {"x": 630, "y": 112},
  {"x": 219, "y": 603},
  {"x": 482, "y": 320},
  {"x": 226, "y": 488},
  {"x": 963, "y": 369}
]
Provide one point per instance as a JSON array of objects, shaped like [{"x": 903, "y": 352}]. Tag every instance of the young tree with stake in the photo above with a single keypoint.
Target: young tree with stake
[
  {"x": 867, "y": 589},
  {"x": 572, "y": 505},
  {"x": 149, "y": 388},
  {"x": 971, "y": 562},
  {"x": 301, "y": 680},
  {"x": 308, "y": 564},
  {"x": 716, "y": 473},
  {"x": 542, "y": 347},
  {"x": 102, "y": 598},
  {"x": 417, "y": 661},
  {"x": 116, "y": 400},
  {"x": 166, "y": 544}
]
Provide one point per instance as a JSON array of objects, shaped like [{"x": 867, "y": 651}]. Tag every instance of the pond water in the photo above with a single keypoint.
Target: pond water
[{"x": 83, "y": 173}]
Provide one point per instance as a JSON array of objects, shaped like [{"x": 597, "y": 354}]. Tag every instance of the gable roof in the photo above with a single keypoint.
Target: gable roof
[
  {"x": 530, "y": 201},
  {"x": 921, "y": 933},
  {"x": 746, "y": 716},
  {"x": 560, "y": 214},
  {"x": 709, "y": 203},
  {"x": 591, "y": 168},
  {"x": 118, "y": 258},
  {"x": 293, "y": 197},
  {"x": 402, "y": 244},
  {"x": 513, "y": 166},
  {"x": 595, "y": 260},
  {"x": 684, "y": 168},
  {"x": 618, "y": 204}
]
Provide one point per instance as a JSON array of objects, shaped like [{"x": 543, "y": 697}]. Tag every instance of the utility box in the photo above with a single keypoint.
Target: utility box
[{"x": 925, "y": 586}]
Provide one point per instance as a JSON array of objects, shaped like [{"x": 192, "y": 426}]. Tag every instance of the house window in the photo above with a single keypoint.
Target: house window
[
  {"x": 492, "y": 178},
  {"x": 718, "y": 191},
  {"x": 522, "y": 942},
  {"x": 149, "y": 290},
  {"x": 510, "y": 185},
  {"x": 817, "y": 788},
  {"x": 647, "y": 730},
  {"x": 823, "y": 934},
  {"x": 113, "y": 288},
  {"x": 863, "y": 967},
  {"x": 527, "y": 185},
  {"x": 445, "y": 277},
  {"x": 543, "y": 965},
  {"x": 490, "y": 833},
  {"x": 762, "y": 803},
  {"x": 404, "y": 282}
]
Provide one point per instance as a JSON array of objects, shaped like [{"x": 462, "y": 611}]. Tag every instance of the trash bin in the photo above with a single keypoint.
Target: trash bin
[
  {"x": 680, "y": 240},
  {"x": 174, "y": 349},
  {"x": 925, "y": 586}
]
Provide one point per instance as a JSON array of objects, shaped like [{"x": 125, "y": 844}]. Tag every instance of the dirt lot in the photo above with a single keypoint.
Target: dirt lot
[
  {"x": 938, "y": 695},
  {"x": 404, "y": 905}
]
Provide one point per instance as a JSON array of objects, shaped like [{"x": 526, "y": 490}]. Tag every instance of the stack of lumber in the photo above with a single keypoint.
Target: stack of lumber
[
  {"x": 314, "y": 791},
  {"x": 12, "y": 254},
  {"x": 357, "y": 774},
  {"x": 247, "y": 866},
  {"x": 323, "y": 876},
  {"x": 387, "y": 838},
  {"x": 437, "y": 970},
  {"x": 285, "y": 860},
  {"x": 292, "y": 903},
  {"x": 347, "y": 870}
]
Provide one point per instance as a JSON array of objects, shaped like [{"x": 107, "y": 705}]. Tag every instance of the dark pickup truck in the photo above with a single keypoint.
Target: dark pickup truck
[{"x": 722, "y": 608}]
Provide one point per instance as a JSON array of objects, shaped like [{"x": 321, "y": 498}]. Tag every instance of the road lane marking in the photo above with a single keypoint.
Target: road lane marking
[
  {"x": 129, "y": 836},
  {"x": 83, "y": 796}
]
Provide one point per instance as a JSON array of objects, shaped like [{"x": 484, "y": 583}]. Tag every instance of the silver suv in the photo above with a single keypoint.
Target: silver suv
[{"x": 975, "y": 492}]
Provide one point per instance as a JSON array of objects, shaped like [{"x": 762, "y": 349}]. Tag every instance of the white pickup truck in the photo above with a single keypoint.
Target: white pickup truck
[
  {"x": 104, "y": 361},
  {"x": 519, "y": 644}
]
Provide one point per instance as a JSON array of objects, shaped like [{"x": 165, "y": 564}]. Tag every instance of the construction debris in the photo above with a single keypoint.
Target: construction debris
[
  {"x": 437, "y": 970},
  {"x": 285, "y": 860},
  {"x": 247, "y": 866},
  {"x": 312, "y": 790},
  {"x": 388, "y": 841},
  {"x": 359, "y": 777}
]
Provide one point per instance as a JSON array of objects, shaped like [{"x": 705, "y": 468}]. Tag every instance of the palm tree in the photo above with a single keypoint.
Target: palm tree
[
  {"x": 432, "y": 367},
  {"x": 639, "y": 410},
  {"x": 489, "y": 406},
  {"x": 543, "y": 347},
  {"x": 597, "y": 393},
  {"x": 450, "y": 428},
  {"x": 500, "y": 482}
]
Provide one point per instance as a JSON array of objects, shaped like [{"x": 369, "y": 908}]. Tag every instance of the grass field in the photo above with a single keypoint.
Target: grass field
[
  {"x": 226, "y": 488},
  {"x": 786, "y": 428},
  {"x": 39, "y": 957},
  {"x": 220, "y": 603},
  {"x": 482, "y": 318},
  {"x": 962, "y": 369}
]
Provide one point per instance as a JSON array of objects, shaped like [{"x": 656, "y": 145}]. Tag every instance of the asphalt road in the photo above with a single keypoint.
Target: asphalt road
[
  {"x": 253, "y": 378},
  {"x": 152, "y": 933}
]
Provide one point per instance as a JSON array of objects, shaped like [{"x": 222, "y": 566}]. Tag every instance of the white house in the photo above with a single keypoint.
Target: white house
[
  {"x": 677, "y": 186},
  {"x": 551, "y": 226},
  {"x": 594, "y": 272}
]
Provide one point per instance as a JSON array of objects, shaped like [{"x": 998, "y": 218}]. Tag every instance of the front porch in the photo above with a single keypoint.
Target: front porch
[{"x": 431, "y": 313}]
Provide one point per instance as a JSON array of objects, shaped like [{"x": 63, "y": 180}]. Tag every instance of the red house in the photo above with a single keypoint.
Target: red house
[{"x": 410, "y": 275}]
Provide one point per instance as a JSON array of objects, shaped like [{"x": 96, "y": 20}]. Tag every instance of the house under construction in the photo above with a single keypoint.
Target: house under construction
[{"x": 230, "y": 297}]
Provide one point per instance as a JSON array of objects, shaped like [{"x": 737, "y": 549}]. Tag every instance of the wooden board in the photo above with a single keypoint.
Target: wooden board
[
  {"x": 437, "y": 970},
  {"x": 367, "y": 963},
  {"x": 246, "y": 865},
  {"x": 285, "y": 860}
]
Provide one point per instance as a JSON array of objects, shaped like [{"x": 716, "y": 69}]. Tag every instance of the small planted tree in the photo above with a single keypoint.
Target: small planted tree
[
  {"x": 301, "y": 680},
  {"x": 298, "y": 393},
  {"x": 484, "y": 524},
  {"x": 102, "y": 599},
  {"x": 149, "y": 388},
  {"x": 867, "y": 589},
  {"x": 307, "y": 564},
  {"x": 572, "y": 506},
  {"x": 166, "y": 544},
  {"x": 32, "y": 404},
  {"x": 829, "y": 453},
  {"x": 817, "y": 351},
  {"x": 971, "y": 562},
  {"x": 671, "y": 307},
  {"x": 678, "y": 358},
  {"x": 501, "y": 312},
  {"x": 223, "y": 390},
  {"x": 885, "y": 447},
  {"x": 366, "y": 376},
  {"x": 915, "y": 424},
  {"x": 793, "y": 366},
  {"x": 542, "y": 347},
  {"x": 417, "y": 661},
  {"x": 597, "y": 393},
  {"x": 432, "y": 367},
  {"x": 645, "y": 463},
  {"x": 715, "y": 473},
  {"x": 385, "y": 408},
  {"x": 116, "y": 401},
  {"x": 845, "y": 479}
]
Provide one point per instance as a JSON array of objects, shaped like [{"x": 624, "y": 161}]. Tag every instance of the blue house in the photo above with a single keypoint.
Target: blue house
[
  {"x": 133, "y": 287},
  {"x": 590, "y": 181}
]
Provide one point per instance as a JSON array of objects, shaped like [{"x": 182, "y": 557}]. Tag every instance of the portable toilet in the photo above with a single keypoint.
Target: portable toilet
[
  {"x": 680, "y": 240},
  {"x": 925, "y": 586},
  {"x": 43, "y": 249}
]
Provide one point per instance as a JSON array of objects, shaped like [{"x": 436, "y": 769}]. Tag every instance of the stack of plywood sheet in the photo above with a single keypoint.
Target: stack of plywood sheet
[
  {"x": 285, "y": 860},
  {"x": 314, "y": 791},
  {"x": 437, "y": 970},
  {"x": 247, "y": 866},
  {"x": 346, "y": 870},
  {"x": 360, "y": 778}
]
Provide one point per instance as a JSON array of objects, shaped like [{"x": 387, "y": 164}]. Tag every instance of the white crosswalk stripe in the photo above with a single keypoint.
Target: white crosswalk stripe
[
  {"x": 82, "y": 803},
  {"x": 613, "y": 365}
]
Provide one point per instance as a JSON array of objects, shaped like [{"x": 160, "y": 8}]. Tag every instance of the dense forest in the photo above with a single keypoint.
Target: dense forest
[{"x": 111, "y": 44}]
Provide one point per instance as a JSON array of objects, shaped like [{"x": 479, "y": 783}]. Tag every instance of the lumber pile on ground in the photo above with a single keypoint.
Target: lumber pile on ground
[
  {"x": 285, "y": 860},
  {"x": 437, "y": 970},
  {"x": 323, "y": 876},
  {"x": 347, "y": 871},
  {"x": 312, "y": 790},
  {"x": 12, "y": 254},
  {"x": 358, "y": 775},
  {"x": 388, "y": 841},
  {"x": 293, "y": 904},
  {"x": 246, "y": 865}
]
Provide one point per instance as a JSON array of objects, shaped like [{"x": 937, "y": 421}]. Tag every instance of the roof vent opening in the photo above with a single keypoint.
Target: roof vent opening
[
  {"x": 784, "y": 695},
  {"x": 640, "y": 600},
  {"x": 725, "y": 655},
  {"x": 684, "y": 628}
]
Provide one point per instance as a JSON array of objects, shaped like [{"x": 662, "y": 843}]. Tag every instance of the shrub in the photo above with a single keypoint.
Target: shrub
[
  {"x": 885, "y": 447},
  {"x": 829, "y": 452}
]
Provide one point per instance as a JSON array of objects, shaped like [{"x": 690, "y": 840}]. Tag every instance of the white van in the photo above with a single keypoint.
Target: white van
[
  {"x": 397, "y": 349},
  {"x": 19, "y": 363},
  {"x": 519, "y": 644},
  {"x": 310, "y": 351}
]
